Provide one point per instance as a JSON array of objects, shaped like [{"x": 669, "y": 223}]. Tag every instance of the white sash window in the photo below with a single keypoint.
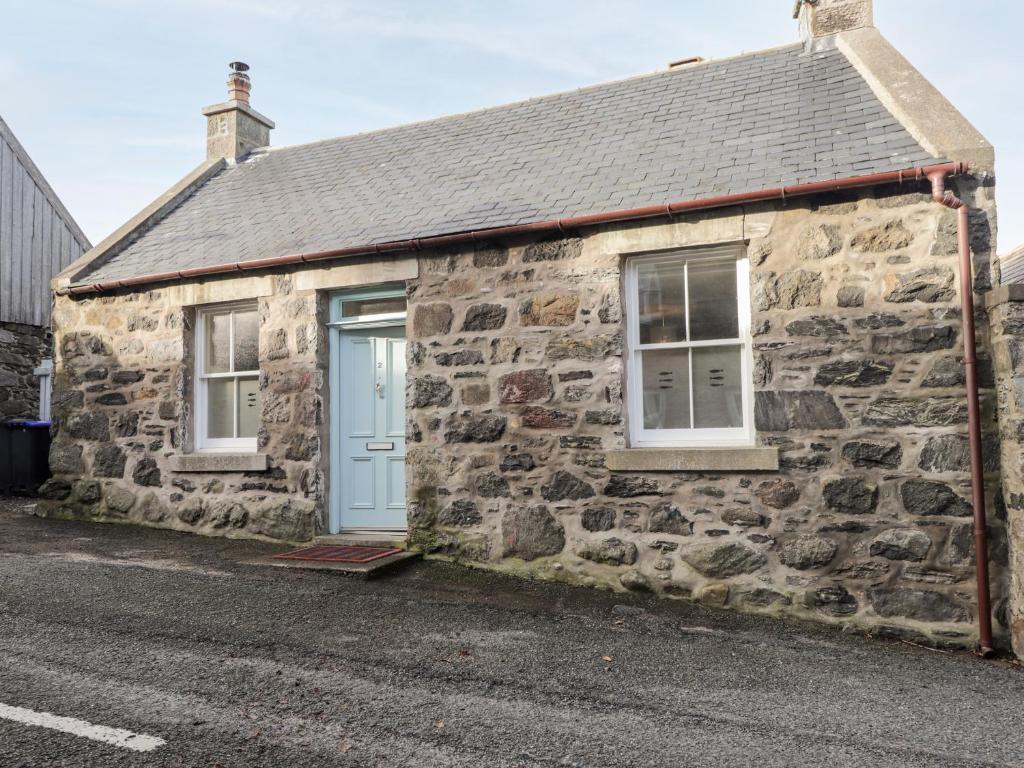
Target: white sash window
[
  {"x": 227, "y": 378},
  {"x": 689, "y": 349}
]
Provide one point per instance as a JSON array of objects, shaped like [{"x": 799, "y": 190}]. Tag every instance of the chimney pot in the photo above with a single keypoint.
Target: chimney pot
[
  {"x": 239, "y": 84},
  {"x": 689, "y": 60}
]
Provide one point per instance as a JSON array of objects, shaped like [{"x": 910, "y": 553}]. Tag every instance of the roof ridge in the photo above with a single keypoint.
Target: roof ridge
[{"x": 262, "y": 151}]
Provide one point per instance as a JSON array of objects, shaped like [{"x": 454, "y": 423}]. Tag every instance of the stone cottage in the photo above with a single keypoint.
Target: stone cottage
[
  {"x": 697, "y": 332},
  {"x": 38, "y": 238}
]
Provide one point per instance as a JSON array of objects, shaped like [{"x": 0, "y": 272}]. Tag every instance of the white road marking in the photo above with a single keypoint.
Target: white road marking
[{"x": 119, "y": 737}]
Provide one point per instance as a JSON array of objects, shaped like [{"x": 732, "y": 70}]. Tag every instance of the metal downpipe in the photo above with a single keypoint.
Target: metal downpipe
[{"x": 942, "y": 196}]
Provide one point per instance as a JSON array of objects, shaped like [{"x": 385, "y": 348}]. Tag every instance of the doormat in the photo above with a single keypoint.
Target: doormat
[{"x": 338, "y": 554}]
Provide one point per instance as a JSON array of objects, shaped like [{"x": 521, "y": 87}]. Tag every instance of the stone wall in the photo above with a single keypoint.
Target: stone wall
[
  {"x": 515, "y": 393},
  {"x": 828, "y": 17},
  {"x": 22, "y": 349},
  {"x": 122, "y": 411},
  {"x": 1007, "y": 323}
]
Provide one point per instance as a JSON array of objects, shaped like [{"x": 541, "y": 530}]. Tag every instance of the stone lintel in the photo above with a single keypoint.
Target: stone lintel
[
  {"x": 357, "y": 272},
  {"x": 219, "y": 290},
  {"x": 693, "y": 459},
  {"x": 1004, "y": 294},
  {"x": 219, "y": 462},
  {"x": 724, "y": 226}
]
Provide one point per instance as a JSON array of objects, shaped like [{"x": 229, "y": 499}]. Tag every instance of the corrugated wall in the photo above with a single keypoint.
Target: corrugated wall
[
  {"x": 37, "y": 236},
  {"x": 1012, "y": 267}
]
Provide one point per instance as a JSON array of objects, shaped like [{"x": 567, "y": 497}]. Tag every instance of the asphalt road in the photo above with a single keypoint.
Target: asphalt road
[{"x": 230, "y": 663}]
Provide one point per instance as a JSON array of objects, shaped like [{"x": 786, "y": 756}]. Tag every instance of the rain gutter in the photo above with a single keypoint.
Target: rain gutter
[{"x": 554, "y": 226}]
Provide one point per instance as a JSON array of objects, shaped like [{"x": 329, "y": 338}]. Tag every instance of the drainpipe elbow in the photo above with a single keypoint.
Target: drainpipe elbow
[{"x": 940, "y": 194}]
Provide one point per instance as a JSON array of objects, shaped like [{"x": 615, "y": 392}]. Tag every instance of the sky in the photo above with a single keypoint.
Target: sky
[{"x": 105, "y": 95}]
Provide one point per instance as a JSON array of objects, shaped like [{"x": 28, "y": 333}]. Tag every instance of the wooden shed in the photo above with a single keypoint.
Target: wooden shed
[{"x": 38, "y": 238}]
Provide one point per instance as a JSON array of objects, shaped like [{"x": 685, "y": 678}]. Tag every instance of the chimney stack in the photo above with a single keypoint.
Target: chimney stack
[
  {"x": 233, "y": 128},
  {"x": 821, "y": 18}
]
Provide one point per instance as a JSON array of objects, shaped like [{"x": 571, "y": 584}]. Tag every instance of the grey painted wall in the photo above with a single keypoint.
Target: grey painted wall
[{"x": 38, "y": 237}]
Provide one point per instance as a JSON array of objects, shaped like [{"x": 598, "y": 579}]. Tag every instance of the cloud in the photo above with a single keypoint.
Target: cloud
[
  {"x": 523, "y": 40},
  {"x": 273, "y": 10},
  {"x": 498, "y": 41},
  {"x": 177, "y": 141}
]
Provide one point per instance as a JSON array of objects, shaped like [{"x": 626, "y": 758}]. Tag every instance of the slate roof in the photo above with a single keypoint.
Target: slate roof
[
  {"x": 1012, "y": 267},
  {"x": 759, "y": 121}
]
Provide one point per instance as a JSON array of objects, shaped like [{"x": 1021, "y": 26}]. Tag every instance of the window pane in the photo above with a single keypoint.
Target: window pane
[
  {"x": 248, "y": 407},
  {"x": 247, "y": 341},
  {"x": 218, "y": 343},
  {"x": 714, "y": 311},
  {"x": 378, "y": 306},
  {"x": 220, "y": 407},
  {"x": 717, "y": 387},
  {"x": 666, "y": 378},
  {"x": 661, "y": 302}
]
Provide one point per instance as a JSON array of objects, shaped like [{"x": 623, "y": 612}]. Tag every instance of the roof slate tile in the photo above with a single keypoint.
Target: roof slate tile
[{"x": 778, "y": 117}]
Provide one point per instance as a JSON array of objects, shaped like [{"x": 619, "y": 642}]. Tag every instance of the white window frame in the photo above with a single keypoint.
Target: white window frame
[
  {"x": 642, "y": 437},
  {"x": 203, "y": 443},
  {"x": 381, "y": 320}
]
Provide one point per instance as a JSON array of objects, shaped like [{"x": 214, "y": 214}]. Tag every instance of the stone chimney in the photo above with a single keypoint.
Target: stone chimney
[
  {"x": 233, "y": 128},
  {"x": 820, "y": 18}
]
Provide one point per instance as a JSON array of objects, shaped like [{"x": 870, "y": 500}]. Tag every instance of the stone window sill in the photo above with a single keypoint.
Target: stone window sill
[
  {"x": 219, "y": 462},
  {"x": 693, "y": 460}
]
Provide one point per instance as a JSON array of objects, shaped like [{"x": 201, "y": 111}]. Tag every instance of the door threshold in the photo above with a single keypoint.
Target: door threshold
[{"x": 397, "y": 539}]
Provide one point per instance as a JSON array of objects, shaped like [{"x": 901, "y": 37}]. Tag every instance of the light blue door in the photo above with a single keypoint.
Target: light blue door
[{"x": 369, "y": 394}]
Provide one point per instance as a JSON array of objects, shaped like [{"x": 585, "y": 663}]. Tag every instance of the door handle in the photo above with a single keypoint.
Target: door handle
[{"x": 380, "y": 390}]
